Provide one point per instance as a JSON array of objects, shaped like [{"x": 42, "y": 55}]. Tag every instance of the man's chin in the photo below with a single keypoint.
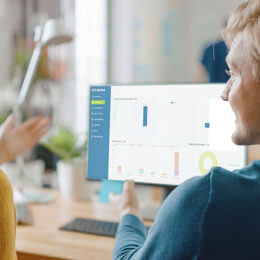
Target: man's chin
[
  {"x": 235, "y": 139},
  {"x": 246, "y": 139}
]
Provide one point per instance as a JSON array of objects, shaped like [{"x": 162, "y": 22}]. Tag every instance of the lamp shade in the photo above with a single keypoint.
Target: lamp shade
[{"x": 54, "y": 32}]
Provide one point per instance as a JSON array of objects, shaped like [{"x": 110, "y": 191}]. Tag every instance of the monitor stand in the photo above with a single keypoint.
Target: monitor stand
[{"x": 149, "y": 212}]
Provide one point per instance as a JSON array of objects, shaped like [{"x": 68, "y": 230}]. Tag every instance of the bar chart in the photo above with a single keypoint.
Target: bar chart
[
  {"x": 161, "y": 135},
  {"x": 142, "y": 162}
]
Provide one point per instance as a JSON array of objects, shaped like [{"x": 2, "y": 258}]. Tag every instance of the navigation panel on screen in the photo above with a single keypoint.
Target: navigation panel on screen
[{"x": 160, "y": 134}]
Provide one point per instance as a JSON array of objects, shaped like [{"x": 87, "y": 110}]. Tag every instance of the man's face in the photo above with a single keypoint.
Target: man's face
[{"x": 243, "y": 93}]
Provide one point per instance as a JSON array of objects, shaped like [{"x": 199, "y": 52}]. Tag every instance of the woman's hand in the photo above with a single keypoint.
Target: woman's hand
[{"x": 19, "y": 139}]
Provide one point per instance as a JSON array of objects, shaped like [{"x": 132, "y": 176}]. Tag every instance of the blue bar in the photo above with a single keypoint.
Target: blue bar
[
  {"x": 145, "y": 114},
  {"x": 207, "y": 125}
]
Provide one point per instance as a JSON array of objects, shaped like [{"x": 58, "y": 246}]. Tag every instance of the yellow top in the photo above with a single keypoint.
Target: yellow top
[{"x": 7, "y": 220}]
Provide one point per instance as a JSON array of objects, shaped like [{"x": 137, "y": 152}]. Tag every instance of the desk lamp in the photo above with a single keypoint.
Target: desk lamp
[{"x": 52, "y": 32}]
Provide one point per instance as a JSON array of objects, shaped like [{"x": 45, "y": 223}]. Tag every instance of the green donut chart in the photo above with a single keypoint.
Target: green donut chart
[{"x": 203, "y": 157}]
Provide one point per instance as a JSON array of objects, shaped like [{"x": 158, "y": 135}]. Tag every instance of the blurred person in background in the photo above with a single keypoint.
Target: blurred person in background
[{"x": 213, "y": 66}]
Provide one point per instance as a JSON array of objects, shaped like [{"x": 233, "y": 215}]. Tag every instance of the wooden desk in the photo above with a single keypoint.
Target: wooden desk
[{"x": 44, "y": 241}]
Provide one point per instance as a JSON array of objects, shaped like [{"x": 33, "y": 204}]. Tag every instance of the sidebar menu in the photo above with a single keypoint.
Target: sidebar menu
[{"x": 99, "y": 123}]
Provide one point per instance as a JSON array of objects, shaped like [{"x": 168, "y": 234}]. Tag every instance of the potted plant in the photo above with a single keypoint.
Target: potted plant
[{"x": 71, "y": 167}]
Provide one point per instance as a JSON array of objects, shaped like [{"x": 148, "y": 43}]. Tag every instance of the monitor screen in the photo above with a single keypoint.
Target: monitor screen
[{"x": 160, "y": 134}]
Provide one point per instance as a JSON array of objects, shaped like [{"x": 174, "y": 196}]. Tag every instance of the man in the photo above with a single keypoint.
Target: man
[{"x": 216, "y": 216}]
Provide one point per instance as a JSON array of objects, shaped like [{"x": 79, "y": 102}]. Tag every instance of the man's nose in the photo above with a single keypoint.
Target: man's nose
[{"x": 225, "y": 92}]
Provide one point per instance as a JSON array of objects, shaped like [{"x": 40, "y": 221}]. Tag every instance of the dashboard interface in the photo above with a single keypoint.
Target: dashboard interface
[{"x": 160, "y": 134}]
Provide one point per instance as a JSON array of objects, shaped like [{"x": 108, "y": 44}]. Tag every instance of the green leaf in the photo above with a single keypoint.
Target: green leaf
[{"x": 64, "y": 145}]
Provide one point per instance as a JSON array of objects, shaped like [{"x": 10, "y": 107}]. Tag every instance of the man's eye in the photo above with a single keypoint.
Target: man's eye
[{"x": 228, "y": 72}]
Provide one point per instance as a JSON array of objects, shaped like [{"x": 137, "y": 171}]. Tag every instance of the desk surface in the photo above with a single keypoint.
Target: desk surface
[{"x": 43, "y": 240}]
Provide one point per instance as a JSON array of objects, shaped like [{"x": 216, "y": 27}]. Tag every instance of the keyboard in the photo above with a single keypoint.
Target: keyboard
[
  {"x": 90, "y": 226},
  {"x": 23, "y": 215}
]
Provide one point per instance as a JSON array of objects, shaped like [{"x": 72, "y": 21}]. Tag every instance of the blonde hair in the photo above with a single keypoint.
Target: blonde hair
[{"x": 246, "y": 20}]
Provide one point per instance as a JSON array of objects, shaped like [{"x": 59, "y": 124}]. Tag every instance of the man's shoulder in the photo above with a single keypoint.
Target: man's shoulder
[
  {"x": 217, "y": 183},
  {"x": 221, "y": 182},
  {"x": 249, "y": 174}
]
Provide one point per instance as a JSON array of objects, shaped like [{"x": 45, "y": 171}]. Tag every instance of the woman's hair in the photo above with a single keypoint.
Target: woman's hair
[{"x": 246, "y": 20}]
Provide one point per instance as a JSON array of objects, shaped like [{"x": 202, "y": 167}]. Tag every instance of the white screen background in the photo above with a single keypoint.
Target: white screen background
[{"x": 176, "y": 144}]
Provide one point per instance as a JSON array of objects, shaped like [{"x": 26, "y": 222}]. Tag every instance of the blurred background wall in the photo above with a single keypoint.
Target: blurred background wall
[
  {"x": 162, "y": 40},
  {"x": 119, "y": 41}
]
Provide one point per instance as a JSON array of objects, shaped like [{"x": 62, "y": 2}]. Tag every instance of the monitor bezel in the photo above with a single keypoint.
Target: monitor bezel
[{"x": 163, "y": 185}]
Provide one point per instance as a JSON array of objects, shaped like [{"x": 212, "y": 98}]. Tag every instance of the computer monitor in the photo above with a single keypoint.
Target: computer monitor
[{"x": 160, "y": 134}]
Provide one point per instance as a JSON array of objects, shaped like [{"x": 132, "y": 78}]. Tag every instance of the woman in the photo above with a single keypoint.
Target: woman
[{"x": 14, "y": 141}]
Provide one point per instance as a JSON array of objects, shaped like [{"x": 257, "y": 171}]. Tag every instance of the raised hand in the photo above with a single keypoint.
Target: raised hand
[{"x": 17, "y": 140}]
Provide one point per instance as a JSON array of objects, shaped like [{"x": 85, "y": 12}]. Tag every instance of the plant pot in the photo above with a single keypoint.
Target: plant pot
[{"x": 72, "y": 179}]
